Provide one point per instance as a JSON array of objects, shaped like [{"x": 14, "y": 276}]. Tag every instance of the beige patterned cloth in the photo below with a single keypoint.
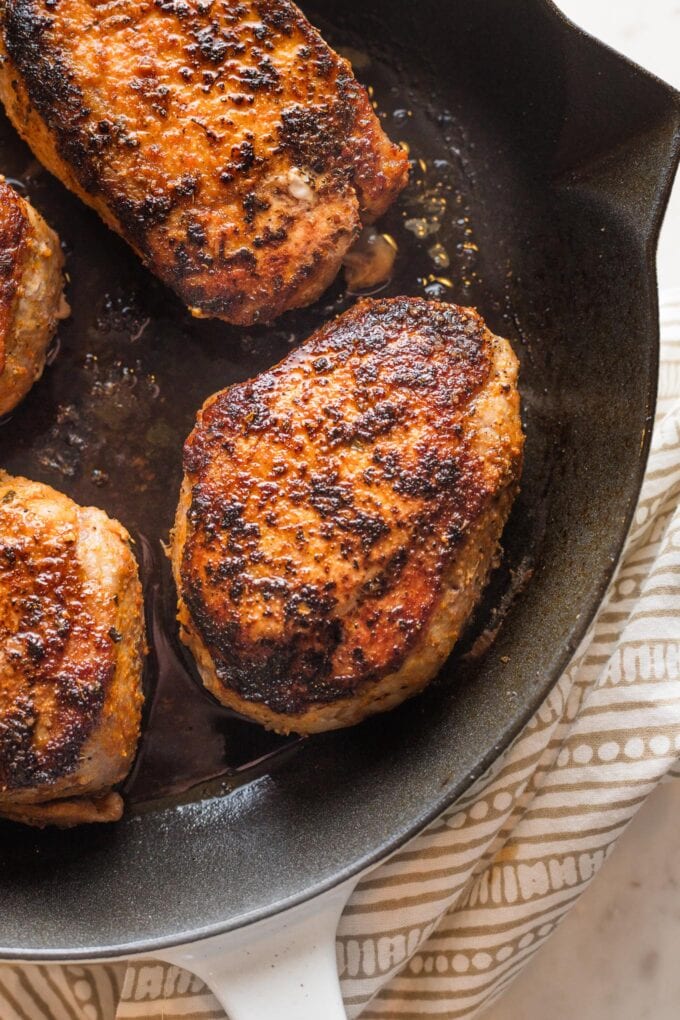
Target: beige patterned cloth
[{"x": 443, "y": 927}]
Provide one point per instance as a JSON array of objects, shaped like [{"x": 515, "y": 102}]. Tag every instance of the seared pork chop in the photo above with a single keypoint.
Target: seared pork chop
[
  {"x": 31, "y": 295},
  {"x": 71, "y": 650},
  {"x": 226, "y": 142},
  {"x": 340, "y": 513}
]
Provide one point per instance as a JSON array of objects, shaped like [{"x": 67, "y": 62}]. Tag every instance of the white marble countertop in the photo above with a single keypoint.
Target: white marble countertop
[{"x": 616, "y": 955}]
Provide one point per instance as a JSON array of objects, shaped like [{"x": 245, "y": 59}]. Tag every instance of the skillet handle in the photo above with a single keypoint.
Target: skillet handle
[{"x": 284, "y": 967}]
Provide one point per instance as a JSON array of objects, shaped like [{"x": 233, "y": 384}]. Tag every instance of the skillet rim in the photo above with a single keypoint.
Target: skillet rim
[{"x": 149, "y": 946}]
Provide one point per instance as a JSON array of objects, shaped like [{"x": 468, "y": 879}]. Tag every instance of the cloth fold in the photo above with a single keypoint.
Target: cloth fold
[{"x": 442, "y": 927}]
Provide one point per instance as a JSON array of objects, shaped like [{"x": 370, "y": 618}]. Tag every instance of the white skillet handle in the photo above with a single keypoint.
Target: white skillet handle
[{"x": 283, "y": 968}]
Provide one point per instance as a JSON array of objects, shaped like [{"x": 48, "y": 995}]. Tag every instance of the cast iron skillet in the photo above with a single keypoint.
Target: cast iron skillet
[{"x": 548, "y": 161}]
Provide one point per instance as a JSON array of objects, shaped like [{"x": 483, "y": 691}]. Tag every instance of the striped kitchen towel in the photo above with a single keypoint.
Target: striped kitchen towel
[{"x": 443, "y": 927}]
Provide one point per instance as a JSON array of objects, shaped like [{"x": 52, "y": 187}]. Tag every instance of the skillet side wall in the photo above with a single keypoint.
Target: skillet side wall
[{"x": 568, "y": 153}]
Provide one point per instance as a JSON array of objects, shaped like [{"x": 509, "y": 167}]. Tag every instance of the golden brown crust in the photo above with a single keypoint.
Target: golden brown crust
[
  {"x": 226, "y": 142},
  {"x": 31, "y": 295},
  {"x": 71, "y": 647},
  {"x": 14, "y": 229},
  {"x": 331, "y": 505}
]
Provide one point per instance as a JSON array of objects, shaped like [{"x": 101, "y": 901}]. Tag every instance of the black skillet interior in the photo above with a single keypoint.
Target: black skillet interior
[{"x": 542, "y": 162}]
